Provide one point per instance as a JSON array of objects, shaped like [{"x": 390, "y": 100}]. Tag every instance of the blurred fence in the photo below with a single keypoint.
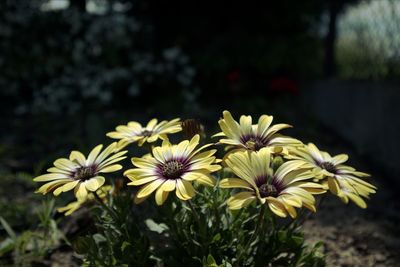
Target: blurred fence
[{"x": 363, "y": 113}]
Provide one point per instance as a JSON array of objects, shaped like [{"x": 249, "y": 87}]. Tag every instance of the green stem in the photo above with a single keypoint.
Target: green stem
[
  {"x": 216, "y": 210},
  {"x": 255, "y": 233},
  {"x": 200, "y": 225},
  {"x": 109, "y": 210}
]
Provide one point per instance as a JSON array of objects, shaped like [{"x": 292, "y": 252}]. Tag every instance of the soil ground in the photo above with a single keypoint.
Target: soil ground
[{"x": 356, "y": 237}]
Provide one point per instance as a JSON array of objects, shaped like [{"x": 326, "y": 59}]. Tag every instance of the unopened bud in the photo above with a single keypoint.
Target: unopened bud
[{"x": 191, "y": 127}]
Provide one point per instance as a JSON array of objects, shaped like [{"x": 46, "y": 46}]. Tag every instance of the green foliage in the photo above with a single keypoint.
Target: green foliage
[
  {"x": 202, "y": 232},
  {"x": 30, "y": 246},
  {"x": 118, "y": 240}
]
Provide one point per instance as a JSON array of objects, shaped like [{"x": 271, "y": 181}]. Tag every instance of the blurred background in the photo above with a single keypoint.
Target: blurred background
[{"x": 72, "y": 70}]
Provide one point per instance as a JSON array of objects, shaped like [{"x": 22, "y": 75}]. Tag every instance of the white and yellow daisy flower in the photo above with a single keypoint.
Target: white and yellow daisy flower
[
  {"x": 282, "y": 190},
  {"x": 80, "y": 173},
  {"x": 173, "y": 167},
  {"x": 343, "y": 181},
  {"x": 247, "y": 136},
  {"x": 135, "y": 132}
]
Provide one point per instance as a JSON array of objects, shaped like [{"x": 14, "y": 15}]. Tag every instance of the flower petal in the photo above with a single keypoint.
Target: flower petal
[
  {"x": 161, "y": 196},
  {"x": 240, "y": 200},
  {"x": 93, "y": 154},
  {"x": 94, "y": 183},
  {"x": 184, "y": 189},
  {"x": 149, "y": 188},
  {"x": 78, "y": 157},
  {"x": 51, "y": 176},
  {"x": 234, "y": 183},
  {"x": 111, "y": 168}
]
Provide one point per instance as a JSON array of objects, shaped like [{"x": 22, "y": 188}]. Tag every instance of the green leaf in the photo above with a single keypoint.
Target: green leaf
[
  {"x": 217, "y": 237},
  {"x": 155, "y": 227},
  {"x": 282, "y": 236},
  {"x": 81, "y": 245},
  {"x": 211, "y": 261},
  {"x": 99, "y": 238},
  {"x": 298, "y": 240},
  {"x": 8, "y": 228},
  {"x": 6, "y": 246},
  {"x": 124, "y": 245}
]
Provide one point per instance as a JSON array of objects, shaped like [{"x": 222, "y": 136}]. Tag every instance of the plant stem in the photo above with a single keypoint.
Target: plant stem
[
  {"x": 201, "y": 226},
  {"x": 254, "y": 235},
  {"x": 109, "y": 210}
]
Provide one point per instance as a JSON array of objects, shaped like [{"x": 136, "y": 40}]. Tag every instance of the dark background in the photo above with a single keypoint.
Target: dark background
[
  {"x": 70, "y": 71},
  {"x": 73, "y": 70}
]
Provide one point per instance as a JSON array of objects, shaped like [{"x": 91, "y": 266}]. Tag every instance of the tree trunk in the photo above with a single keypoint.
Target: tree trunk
[
  {"x": 330, "y": 40},
  {"x": 80, "y": 4}
]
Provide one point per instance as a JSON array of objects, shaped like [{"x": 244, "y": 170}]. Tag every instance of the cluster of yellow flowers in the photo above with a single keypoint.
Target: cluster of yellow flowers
[{"x": 266, "y": 166}]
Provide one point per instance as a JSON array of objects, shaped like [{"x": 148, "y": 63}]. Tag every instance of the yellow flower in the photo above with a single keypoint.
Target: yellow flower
[
  {"x": 135, "y": 132},
  {"x": 173, "y": 167},
  {"x": 343, "y": 181},
  {"x": 247, "y": 136},
  {"x": 80, "y": 173},
  {"x": 75, "y": 205},
  {"x": 282, "y": 190},
  {"x": 71, "y": 207}
]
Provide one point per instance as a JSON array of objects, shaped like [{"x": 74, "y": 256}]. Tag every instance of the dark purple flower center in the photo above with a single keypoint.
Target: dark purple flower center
[
  {"x": 268, "y": 190},
  {"x": 268, "y": 186},
  {"x": 254, "y": 142},
  {"x": 85, "y": 172},
  {"x": 173, "y": 169},
  {"x": 328, "y": 166},
  {"x": 147, "y": 133}
]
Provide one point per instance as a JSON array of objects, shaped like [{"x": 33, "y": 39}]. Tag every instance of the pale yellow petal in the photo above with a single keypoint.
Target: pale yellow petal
[
  {"x": 106, "y": 152},
  {"x": 161, "y": 196},
  {"x": 80, "y": 191},
  {"x": 207, "y": 180},
  {"x": 149, "y": 188},
  {"x": 276, "y": 207},
  {"x": 50, "y": 186},
  {"x": 234, "y": 183},
  {"x": 152, "y": 123},
  {"x": 111, "y": 168},
  {"x": 93, "y": 154},
  {"x": 51, "y": 176},
  {"x": 66, "y": 187},
  {"x": 184, "y": 189},
  {"x": 168, "y": 185},
  {"x": 78, "y": 157},
  {"x": 240, "y": 200},
  {"x": 358, "y": 200},
  {"x": 339, "y": 159},
  {"x": 65, "y": 164},
  {"x": 142, "y": 181},
  {"x": 94, "y": 183},
  {"x": 333, "y": 186}
]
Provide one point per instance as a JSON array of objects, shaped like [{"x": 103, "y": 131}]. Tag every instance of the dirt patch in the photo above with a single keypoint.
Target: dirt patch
[{"x": 356, "y": 237}]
